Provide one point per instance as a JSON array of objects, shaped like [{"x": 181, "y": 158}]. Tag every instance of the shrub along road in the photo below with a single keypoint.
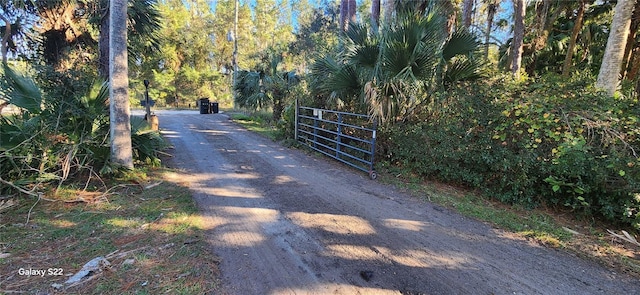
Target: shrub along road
[{"x": 283, "y": 222}]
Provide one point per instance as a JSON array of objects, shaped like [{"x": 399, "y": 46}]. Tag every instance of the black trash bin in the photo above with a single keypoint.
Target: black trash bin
[
  {"x": 214, "y": 107},
  {"x": 204, "y": 105}
]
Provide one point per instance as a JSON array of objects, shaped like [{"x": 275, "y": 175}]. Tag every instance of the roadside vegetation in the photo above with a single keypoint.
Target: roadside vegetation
[
  {"x": 519, "y": 131},
  {"x": 258, "y": 122}
]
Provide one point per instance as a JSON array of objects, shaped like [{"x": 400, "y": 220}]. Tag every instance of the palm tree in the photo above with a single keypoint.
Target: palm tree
[
  {"x": 616, "y": 44},
  {"x": 144, "y": 21},
  {"x": 121, "y": 149},
  {"x": 394, "y": 73},
  {"x": 265, "y": 88}
]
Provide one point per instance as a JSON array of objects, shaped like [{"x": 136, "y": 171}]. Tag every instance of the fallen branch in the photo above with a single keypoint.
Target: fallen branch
[
  {"x": 31, "y": 209},
  {"x": 88, "y": 271},
  {"x": 31, "y": 193},
  {"x": 625, "y": 236},
  {"x": 153, "y": 185}
]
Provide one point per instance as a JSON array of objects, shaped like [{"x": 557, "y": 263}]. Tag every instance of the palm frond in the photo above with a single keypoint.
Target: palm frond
[
  {"x": 462, "y": 42},
  {"x": 344, "y": 83},
  {"x": 21, "y": 91},
  {"x": 463, "y": 69},
  {"x": 365, "y": 56},
  {"x": 358, "y": 34},
  {"x": 324, "y": 67}
]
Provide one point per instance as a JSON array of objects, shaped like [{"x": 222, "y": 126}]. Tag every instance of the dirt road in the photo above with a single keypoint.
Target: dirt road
[{"x": 283, "y": 222}]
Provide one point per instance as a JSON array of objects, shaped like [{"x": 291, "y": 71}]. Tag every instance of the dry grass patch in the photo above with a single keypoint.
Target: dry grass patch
[{"x": 146, "y": 238}]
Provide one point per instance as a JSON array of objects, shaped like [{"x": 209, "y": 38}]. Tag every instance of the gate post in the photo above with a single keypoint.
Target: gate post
[
  {"x": 316, "y": 113},
  {"x": 339, "y": 139},
  {"x": 373, "y": 148},
  {"x": 295, "y": 132}
]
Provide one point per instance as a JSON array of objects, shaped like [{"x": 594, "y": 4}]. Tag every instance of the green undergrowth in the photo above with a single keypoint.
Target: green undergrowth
[
  {"x": 258, "y": 122},
  {"x": 554, "y": 142}
]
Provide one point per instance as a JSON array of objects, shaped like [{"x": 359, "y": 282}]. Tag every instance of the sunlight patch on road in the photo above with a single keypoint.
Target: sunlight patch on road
[
  {"x": 352, "y": 252},
  {"x": 215, "y": 132},
  {"x": 170, "y": 134},
  {"x": 240, "y": 239},
  {"x": 230, "y": 192},
  {"x": 339, "y": 224},
  {"x": 411, "y": 257},
  {"x": 243, "y": 226},
  {"x": 410, "y": 225},
  {"x": 424, "y": 259},
  {"x": 282, "y": 179},
  {"x": 333, "y": 288}
]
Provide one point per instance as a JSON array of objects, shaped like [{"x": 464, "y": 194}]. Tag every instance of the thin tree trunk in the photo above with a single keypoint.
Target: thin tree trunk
[
  {"x": 5, "y": 38},
  {"x": 518, "y": 37},
  {"x": 545, "y": 23},
  {"x": 120, "y": 124},
  {"x": 467, "y": 13},
  {"x": 352, "y": 11},
  {"x": 616, "y": 44},
  {"x": 631, "y": 41},
  {"x": 103, "y": 45},
  {"x": 389, "y": 9},
  {"x": 347, "y": 13},
  {"x": 577, "y": 27},
  {"x": 491, "y": 13},
  {"x": 634, "y": 65},
  {"x": 375, "y": 14},
  {"x": 451, "y": 15},
  {"x": 344, "y": 9}
]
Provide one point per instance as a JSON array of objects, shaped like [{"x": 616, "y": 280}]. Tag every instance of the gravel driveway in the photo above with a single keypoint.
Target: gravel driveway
[{"x": 284, "y": 222}]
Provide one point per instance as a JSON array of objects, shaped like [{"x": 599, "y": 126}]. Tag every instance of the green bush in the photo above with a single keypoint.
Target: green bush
[
  {"x": 553, "y": 141},
  {"x": 55, "y": 136}
]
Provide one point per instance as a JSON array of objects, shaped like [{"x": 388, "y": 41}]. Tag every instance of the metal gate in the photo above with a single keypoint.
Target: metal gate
[{"x": 347, "y": 137}]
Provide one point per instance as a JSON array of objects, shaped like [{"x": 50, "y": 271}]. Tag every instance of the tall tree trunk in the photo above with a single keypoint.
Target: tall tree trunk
[
  {"x": 344, "y": 10},
  {"x": 389, "y": 9},
  {"x": 347, "y": 13},
  {"x": 616, "y": 44},
  {"x": 545, "y": 22},
  {"x": 103, "y": 44},
  {"x": 451, "y": 15},
  {"x": 577, "y": 27},
  {"x": 352, "y": 11},
  {"x": 634, "y": 65},
  {"x": 631, "y": 41},
  {"x": 375, "y": 14},
  {"x": 492, "y": 7},
  {"x": 120, "y": 124},
  {"x": 519, "y": 10},
  {"x": 467, "y": 13},
  {"x": 5, "y": 38}
]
